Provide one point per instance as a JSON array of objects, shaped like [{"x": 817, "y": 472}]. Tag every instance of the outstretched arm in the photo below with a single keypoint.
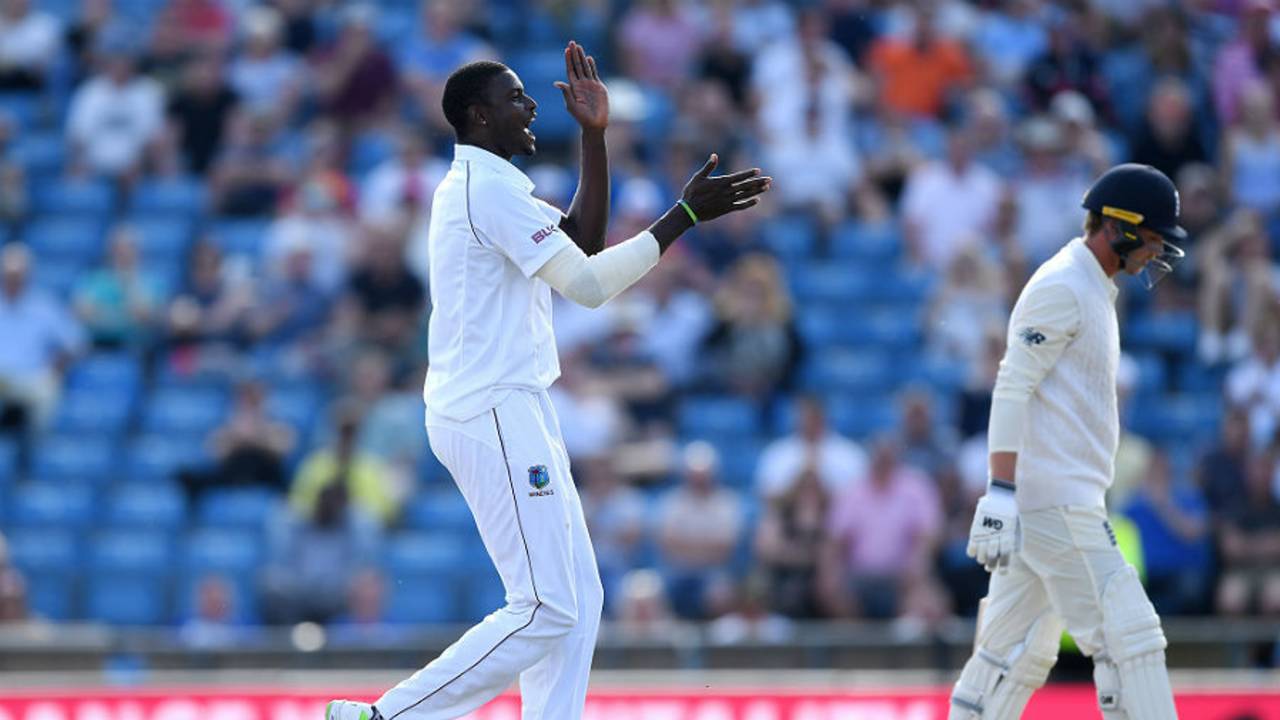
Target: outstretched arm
[{"x": 587, "y": 100}]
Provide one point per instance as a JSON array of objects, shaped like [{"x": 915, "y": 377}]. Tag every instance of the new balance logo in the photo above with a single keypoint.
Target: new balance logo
[
  {"x": 1031, "y": 336},
  {"x": 993, "y": 523}
]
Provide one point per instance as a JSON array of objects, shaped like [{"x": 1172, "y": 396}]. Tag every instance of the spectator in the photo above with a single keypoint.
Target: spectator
[
  {"x": 1048, "y": 190},
  {"x": 116, "y": 116},
  {"x": 355, "y": 79},
  {"x": 678, "y": 313},
  {"x": 1242, "y": 62},
  {"x": 698, "y": 526},
  {"x": 1249, "y": 542},
  {"x": 248, "y": 450},
  {"x": 364, "y": 479},
  {"x": 266, "y": 77},
  {"x": 196, "y": 25},
  {"x": 199, "y": 112},
  {"x": 748, "y": 617},
  {"x": 754, "y": 348},
  {"x": 1172, "y": 521},
  {"x": 215, "y": 303},
  {"x": 617, "y": 517},
  {"x": 1069, "y": 63},
  {"x": 659, "y": 41},
  {"x": 1169, "y": 139},
  {"x": 815, "y": 448},
  {"x": 992, "y": 140},
  {"x": 789, "y": 542},
  {"x": 1221, "y": 470},
  {"x": 1238, "y": 283},
  {"x": 316, "y": 553},
  {"x": 14, "y": 197},
  {"x": 1251, "y": 153},
  {"x": 644, "y": 613},
  {"x": 385, "y": 298},
  {"x": 1087, "y": 152},
  {"x": 441, "y": 45},
  {"x": 301, "y": 24},
  {"x": 804, "y": 85},
  {"x": 82, "y": 33},
  {"x": 949, "y": 204},
  {"x": 403, "y": 184},
  {"x": 924, "y": 444},
  {"x": 918, "y": 74},
  {"x": 959, "y": 487},
  {"x": 1008, "y": 38},
  {"x": 120, "y": 304},
  {"x": 882, "y": 535},
  {"x": 13, "y": 597},
  {"x": 392, "y": 427},
  {"x": 292, "y": 311},
  {"x": 252, "y": 174},
  {"x": 724, "y": 63},
  {"x": 1254, "y": 384},
  {"x": 212, "y": 624},
  {"x": 628, "y": 373},
  {"x": 30, "y": 41},
  {"x": 971, "y": 299},
  {"x": 40, "y": 339},
  {"x": 593, "y": 420}
]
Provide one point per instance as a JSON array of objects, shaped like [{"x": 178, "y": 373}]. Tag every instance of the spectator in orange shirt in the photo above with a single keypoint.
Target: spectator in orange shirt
[{"x": 915, "y": 74}]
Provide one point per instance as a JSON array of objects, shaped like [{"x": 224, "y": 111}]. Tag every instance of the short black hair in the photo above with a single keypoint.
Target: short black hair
[{"x": 465, "y": 87}]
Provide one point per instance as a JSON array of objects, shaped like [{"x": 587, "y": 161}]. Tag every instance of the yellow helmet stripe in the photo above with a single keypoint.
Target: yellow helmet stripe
[{"x": 1132, "y": 218}]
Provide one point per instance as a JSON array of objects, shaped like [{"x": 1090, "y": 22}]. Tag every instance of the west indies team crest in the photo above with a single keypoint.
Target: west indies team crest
[{"x": 539, "y": 479}]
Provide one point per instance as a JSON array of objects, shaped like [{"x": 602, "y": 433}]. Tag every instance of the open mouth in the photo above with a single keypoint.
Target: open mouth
[{"x": 527, "y": 131}]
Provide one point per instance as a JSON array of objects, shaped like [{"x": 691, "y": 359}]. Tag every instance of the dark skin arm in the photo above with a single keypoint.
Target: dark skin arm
[
  {"x": 710, "y": 197},
  {"x": 587, "y": 100}
]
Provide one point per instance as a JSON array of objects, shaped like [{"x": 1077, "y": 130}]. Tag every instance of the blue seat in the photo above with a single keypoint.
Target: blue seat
[
  {"x": 1173, "y": 332},
  {"x": 299, "y": 406},
  {"x": 106, "y": 371},
  {"x": 43, "y": 550},
  {"x": 866, "y": 242},
  {"x": 224, "y": 551},
  {"x": 162, "y": 239},
  {"x": 80, "y": 197},
  {"x": 20, "y": 108},
  {"x": 540, "y": 68},
  {"x": 863, "y": 416},
  {"x": 187, "y": 410},
  {"x": 436, "y": 554},
  {"x": 127, "y": 600},
  {"x": 483, "y": 593},
  {"x": 132, "y": 552},
  {"x": 1184, "y": 418},
  {"x": 66, "y": 238},
  {"x": 439, "y": 511},
  {"x": 431, "y": 471},
  {"x": 1151, "y": 374},
  {"x": 158, "y": 456},
  {"x": 944, "y": 374},
  {"x": 832, "y": 283},
  {"x": 41, "y": 154},
  {"x": 713, "y": 416},
  {"x": 791, "y": 237},
  {"x": 739, "y": 456},
  {"x": 246, "y": 508},
  {"x": 52, "y": 505},
  {"x": 905, "y": 288},
  {"x": 369, "y": 150},
  {"x": 893, "y": 330},
  {"x": 8, "y": 462},
  {"x": 421, "y": 600},
  {"x": 848, "y": 370},
  {"x": 99, "y": 411},
  {"x": 240, "y": 237},
  {"x": 146, "y": 506},
  {"x": 181, "y": 197},
  {"x": 76, "y": 458},
  {"x": 58, "y": 276},
  {"x": 51, "y": 596}
]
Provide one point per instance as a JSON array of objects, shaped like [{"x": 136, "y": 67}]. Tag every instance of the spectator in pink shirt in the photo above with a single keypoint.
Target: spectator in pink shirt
[
  {"x": 1240, "y": 62},
  {"x": 660, "y": 42},
  {"x": 883, "y": 531}
]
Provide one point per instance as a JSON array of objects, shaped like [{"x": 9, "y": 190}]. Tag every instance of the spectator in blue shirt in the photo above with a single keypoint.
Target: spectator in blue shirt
[
  {"x": 120, "y": 304},
  {"x": 1173, "y": 524}
]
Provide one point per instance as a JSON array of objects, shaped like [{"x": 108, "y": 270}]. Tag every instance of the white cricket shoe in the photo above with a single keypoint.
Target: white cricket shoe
[{"x": 349, "y": 710}]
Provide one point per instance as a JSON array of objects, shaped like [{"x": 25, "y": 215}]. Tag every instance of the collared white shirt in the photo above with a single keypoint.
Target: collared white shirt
[{"x": 490, "y": 330}]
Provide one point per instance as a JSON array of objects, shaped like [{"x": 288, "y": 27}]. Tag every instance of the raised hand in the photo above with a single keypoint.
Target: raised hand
[
  {"x": 585, "y": 96},
  {"x": 710, "y": 197}
]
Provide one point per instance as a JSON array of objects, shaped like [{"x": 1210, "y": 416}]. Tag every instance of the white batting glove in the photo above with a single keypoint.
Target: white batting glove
[{"x": 993, "y": 537}]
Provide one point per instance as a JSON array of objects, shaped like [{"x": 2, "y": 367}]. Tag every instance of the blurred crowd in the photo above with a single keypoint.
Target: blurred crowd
[{"x": 926, "y": 153}]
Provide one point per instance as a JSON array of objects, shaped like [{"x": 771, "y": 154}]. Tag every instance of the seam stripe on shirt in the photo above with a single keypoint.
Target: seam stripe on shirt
[
  {"x": 467, "y": 194},
  {"x": 537, "y": 601}
]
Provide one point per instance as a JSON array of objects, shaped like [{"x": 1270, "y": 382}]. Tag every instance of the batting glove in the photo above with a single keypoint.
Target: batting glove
[{"x": 994, "y": 536}]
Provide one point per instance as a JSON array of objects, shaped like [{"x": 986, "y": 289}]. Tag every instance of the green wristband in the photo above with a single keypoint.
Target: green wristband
[{"x": 692, "y": 216}]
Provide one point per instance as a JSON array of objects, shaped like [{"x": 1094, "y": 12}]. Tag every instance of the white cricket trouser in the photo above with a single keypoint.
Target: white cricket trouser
[
  {"x": 511, "y": 466},
  {"x": 1067, "y": 556}
]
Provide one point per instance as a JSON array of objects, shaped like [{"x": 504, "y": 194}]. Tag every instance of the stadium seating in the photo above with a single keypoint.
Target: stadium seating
[
  {"x": 244, "y": 508},
  {"x": 76, "y": 458}
]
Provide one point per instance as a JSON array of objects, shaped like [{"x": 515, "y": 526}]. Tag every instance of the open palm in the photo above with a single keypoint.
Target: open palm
[{"x": 585, "y": 96}]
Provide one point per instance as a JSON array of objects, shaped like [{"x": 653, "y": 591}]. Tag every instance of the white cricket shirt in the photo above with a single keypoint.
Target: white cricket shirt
[
  {"x": 1062, "y": 355},
  {"x": 490, "y": 329}
]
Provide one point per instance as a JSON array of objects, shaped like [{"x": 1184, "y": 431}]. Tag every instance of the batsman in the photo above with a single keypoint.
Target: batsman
[{"x": 1041, "y": 527}]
